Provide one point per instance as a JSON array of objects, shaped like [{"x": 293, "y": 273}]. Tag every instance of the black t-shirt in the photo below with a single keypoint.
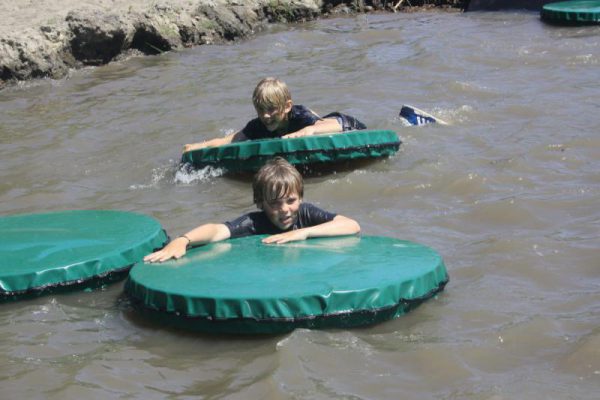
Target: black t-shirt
[
  {"x": 299, "y": 117},
  {"x": 257, "y": 223}
]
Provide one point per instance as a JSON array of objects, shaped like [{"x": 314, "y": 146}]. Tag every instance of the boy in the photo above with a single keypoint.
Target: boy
[
  {"x": 278, "y": 117},
  {"x": 278, "y": 191}
]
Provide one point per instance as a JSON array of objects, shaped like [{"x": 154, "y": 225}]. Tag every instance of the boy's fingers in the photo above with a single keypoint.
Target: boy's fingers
[
  {"x": 150, "y": 257},
  {"x": 270, "y": 239},
  {"x": 277, "y": 239},
  {"x": 162, "y": 255},
  {"x": 159, "y": 256}
]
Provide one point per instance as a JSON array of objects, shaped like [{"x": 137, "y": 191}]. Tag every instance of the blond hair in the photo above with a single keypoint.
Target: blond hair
[
  {"x": 276, "y": 179},
  {"x": 271, "y": 94}
]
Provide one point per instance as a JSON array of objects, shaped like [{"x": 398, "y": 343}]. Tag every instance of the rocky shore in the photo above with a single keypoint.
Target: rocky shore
[{"x": 46, "y": 38}]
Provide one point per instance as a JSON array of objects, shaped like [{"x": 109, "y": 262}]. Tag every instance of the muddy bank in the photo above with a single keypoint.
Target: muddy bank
[{"x": 46, "y": 38}]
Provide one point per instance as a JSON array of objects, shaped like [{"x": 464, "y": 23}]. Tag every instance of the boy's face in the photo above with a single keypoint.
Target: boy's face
[
  {"x": 275, "y": 118},
  {"x": 282, "y": 212}
]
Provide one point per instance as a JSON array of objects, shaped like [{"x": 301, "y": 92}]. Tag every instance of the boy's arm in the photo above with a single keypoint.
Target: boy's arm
[
  {"x": 234, "y": 137},
  {"x": 177, "y": 247},
  {"x": 339, "y": 226},
  {"x": 327, "y": 125}
]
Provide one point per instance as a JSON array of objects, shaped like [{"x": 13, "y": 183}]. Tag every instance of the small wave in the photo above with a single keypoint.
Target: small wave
[
  {"x": 177, "y": 173},
  {"x": 158, "y": 175},
  {"x": 584, "y": 59},
  {"x": 403, "y": 121},
  {"x": 187, "y": 174},
  {"x": 21, "y": 86},
  {"x": 456, "y": 115}
]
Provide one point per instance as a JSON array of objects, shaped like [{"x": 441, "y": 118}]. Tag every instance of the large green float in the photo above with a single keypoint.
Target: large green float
[
  {"x": 42, "y": 253},
  {"x": 244, "y": 286},
  {"x": 578, "y": 12},
  {"x": 302, "y": 152}
]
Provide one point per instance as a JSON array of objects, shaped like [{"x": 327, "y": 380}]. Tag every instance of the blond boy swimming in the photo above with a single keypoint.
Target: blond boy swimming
[{"x": 277, "y": 116}]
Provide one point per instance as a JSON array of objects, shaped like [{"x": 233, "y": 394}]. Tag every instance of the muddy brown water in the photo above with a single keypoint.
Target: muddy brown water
[{"x": 508, "y": 194}]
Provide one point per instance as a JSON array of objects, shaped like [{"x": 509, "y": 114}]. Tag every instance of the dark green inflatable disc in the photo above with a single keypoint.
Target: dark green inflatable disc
[
  {"x": 304, "y": 151},
  {"x": 244, "y": 286},
  {"x": 41, "y": 252},
  {"x": 582, "y": 12}
]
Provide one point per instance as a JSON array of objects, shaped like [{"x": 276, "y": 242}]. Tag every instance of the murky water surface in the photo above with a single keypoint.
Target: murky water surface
[{"x": 509, "y": 194}]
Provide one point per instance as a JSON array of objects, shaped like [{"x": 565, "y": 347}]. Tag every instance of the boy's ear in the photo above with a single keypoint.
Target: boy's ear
[{"x": 288, "y": 106}]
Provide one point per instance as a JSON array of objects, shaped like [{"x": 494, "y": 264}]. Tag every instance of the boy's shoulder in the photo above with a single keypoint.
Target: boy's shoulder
[
  {"x": 300, "y": 111},
  {"x": 309, "y": 215},
  {"x": 301, "y": 117}
]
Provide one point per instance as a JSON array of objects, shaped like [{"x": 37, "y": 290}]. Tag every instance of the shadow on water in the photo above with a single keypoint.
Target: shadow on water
[
  {"x": 145, "y": 318},
  {"x": 318, "y": 170},
  {"x": 93, "y": 283}
]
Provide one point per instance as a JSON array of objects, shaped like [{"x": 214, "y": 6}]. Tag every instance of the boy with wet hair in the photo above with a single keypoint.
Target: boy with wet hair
[
  {"x": 278, "y": 194},
  {"x": 277, "y": 116}
]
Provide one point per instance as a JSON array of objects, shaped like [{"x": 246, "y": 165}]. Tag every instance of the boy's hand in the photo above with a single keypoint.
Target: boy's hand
[
  {"x": 175, "y": 249},
  {"x": 194, "y": 146},
  {"x": 291, "y": 236},
  {"x": 306, "y": 131}
]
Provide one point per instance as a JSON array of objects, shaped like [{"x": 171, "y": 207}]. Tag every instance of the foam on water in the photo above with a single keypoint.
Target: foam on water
[
  {"x": 159, "y": 174},
  {"x": 187, "y": 174},
  {"x": 178, "y": 173}
]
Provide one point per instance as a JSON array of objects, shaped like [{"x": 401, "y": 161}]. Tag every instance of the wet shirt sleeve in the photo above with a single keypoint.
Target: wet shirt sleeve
[{"x": 311, "y": 215}]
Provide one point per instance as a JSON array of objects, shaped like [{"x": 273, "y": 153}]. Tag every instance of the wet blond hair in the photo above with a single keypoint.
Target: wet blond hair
[
  {"x": 276, "y": 179},
  {"x": 271, "y": 94}
]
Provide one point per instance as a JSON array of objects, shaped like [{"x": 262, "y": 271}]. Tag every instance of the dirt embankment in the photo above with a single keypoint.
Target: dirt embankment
[{"x": 45, "y": 38}]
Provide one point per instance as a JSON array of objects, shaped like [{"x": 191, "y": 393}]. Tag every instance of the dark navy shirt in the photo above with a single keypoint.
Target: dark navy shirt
[
  {"x": 257, "y": 223},
  {"x": 299, "y": 117}
]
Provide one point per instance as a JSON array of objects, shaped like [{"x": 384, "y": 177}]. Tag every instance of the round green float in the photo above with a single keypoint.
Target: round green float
[
  {"x": 42, "y": 252},
  {"x": 242, "y": 286},
  {"x": 303, "y": 151},
  {"x": 580, "y": 12}
]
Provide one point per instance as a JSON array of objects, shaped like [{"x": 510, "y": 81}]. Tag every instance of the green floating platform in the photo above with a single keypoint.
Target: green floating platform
[
  {"x": 45, "y": 252},
  {"x": 304, "y": 151},
  {"x": 242, "y": 286},
  {"x": 579, "y": 12}
]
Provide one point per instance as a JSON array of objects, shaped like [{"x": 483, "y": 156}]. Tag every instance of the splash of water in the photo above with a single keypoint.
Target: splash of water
[{"x": 187, "y": 174}]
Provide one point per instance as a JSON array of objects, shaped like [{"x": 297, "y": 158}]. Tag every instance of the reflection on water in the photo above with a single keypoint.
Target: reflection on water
[{"x": 507, "y": 194}]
